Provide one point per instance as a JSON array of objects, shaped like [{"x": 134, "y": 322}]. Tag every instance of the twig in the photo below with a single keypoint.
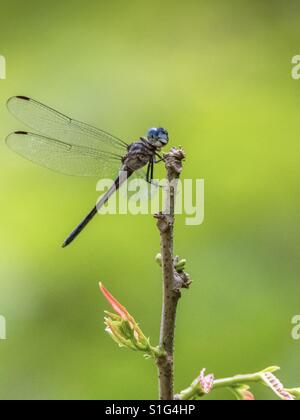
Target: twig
[
  {"x": 239, "y": 385},
  {"x": 173, "y": 280}
]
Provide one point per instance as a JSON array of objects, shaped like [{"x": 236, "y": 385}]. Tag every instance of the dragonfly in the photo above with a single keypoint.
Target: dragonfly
[{"x": 75, "y": 148}]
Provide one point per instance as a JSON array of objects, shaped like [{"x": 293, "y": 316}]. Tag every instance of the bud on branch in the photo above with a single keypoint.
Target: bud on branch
[{"x": 123, "y": 328}]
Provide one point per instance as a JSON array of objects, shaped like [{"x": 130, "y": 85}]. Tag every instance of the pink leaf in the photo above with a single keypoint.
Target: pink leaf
[{"x": 117, "y": 307}]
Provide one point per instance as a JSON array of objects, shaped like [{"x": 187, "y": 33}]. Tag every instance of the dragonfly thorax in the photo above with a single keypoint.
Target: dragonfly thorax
[{"x": 140, "y": 153}]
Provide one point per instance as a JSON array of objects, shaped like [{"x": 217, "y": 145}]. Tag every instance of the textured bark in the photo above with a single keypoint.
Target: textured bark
[{"x": 172, "y": 281}]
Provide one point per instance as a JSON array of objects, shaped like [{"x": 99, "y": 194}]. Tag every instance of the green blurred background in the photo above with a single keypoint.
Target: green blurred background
[{"x": 218, "y": 76}]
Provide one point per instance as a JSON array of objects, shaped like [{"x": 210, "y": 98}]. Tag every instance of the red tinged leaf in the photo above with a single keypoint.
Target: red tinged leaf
[{"x": 117, "y": 307}]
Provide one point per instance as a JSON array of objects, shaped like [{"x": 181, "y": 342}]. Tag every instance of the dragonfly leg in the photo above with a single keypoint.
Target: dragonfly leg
[
  {"x": 160, "y": 158},
  {"x": 152, "y": 171}
]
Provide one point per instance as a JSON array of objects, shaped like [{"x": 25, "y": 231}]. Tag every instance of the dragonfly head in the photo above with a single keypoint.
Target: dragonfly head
[{"x": 158, "y": 137}]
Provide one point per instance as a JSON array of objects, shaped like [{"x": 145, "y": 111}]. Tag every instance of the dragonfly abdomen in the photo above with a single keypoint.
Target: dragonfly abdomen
[{"x": 123, "y": 176}]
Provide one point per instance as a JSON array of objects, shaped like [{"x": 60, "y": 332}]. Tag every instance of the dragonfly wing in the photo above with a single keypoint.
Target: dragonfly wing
[
  {"x": 143, "y": 188},
  {"x": 53, "y": 124},
  {"x": 142, "y": 174},
  {"x": 64, "y": 157}
]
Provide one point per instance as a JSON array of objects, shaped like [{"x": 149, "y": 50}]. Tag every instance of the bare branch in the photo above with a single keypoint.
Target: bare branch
[{"x": 173, "y": 280}]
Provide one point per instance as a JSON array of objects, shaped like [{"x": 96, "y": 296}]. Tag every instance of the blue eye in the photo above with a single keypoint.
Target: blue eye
[
  {"x": 153, "y": 132},
  {"x": 158, "y": 134},
  {"x": 162, "y": 132}
]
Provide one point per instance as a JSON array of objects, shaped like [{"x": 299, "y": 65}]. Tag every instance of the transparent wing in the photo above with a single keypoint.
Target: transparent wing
[
  {"x": 146, "y": 190},
  {"x": 64, "y": 157},
  {"x": 53, "y": 124}
]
